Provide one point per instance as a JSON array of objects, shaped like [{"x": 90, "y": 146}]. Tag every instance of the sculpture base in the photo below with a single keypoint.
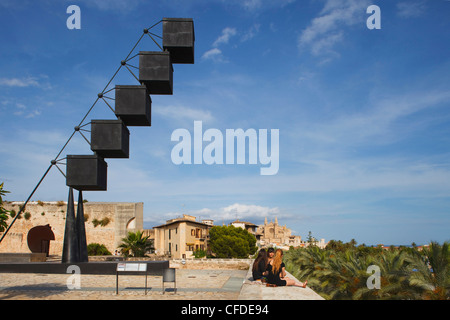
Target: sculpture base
[{"x": 105, "y": 268}]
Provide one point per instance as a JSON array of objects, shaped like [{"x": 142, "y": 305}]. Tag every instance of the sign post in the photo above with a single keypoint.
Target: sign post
[{"x": 131, "y": 267}]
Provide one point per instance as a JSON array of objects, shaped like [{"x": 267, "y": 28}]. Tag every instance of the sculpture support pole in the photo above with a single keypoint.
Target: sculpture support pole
[
  {"x": 70, "y": 252},
  {"x": 82, "y": 245}
]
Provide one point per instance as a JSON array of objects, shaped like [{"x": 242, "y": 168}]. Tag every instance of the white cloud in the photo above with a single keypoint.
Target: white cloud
[
  {"x": 410, "y": 9},
  {"x": 213, "y": 54},
  {"x": 16, "y": 82},
  {"x": 241, "y": 211},
  {"x": 325, "y": 44},
  {"x": 251, "y": 32},
  {"x": 224, "y": 38},
  {"x": 21, "y": 110},
  {"x": 253, "y": 5},
  {"x": 182, "y": 113},
  {"x": 39, "y": 82},
  {"x": 237, "y": 211},
  {"x": 114, "y": 5},
  {"x": 378, "y": 123},
  {"x": 325, "y": 31}
]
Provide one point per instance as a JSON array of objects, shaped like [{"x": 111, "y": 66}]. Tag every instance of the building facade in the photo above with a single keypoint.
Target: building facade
[
  {"x": 250, "y": 227},
  {"x": 272, "y": 234},
  {"x": 180, "y": 237}
]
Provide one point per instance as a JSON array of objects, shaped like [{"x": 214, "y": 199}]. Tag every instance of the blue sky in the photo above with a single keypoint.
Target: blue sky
[{"x": 363, "y": 115}]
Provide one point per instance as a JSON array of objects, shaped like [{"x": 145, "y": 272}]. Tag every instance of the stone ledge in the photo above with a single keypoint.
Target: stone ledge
[
  {"x": 255, "y": 290},
  {"x": 238, "y": 264},
  {"x": 23, "y": 257}
]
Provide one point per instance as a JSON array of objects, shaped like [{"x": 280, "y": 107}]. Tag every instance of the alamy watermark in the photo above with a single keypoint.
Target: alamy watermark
[
  {"x": 374, "y": 281},
  {"x": 73, "y": 281},
  {"x": 230, "y": 148},
  {"x": 374, "y": 21},
  {"x": 74, "y": 20}
]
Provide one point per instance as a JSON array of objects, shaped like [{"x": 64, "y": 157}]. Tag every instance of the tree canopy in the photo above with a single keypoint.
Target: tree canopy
[{"x": 231, "y": 242}]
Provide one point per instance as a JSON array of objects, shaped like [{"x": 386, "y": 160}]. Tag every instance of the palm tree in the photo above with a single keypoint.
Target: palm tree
[
  {"x": 430, "y": 272},
  {"x": 394, "y": 277},
  {"x": 404, "y": 274},
  {"x": 135, "y": 244},
  {"x": 3, "y": 211},
  {"x": 344, "y": 274}
]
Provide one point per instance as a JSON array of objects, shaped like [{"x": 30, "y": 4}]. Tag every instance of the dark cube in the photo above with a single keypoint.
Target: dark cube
[
  {"x": 179, "y": 38},
  {"x": 86, "y": 172},
  {"x": 156, "y": 72},
  {"x": 110, "y": 138},
  {"x": 133, "y": 105}
]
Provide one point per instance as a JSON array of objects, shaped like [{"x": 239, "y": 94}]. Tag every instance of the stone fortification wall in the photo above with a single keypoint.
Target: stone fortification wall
[
  {"x": 106, "y": 223},
  {"x": 240, "y": 264}
]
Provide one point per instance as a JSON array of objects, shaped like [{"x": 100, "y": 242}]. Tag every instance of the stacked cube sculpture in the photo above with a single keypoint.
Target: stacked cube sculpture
[{"x": 110, "y": 138}]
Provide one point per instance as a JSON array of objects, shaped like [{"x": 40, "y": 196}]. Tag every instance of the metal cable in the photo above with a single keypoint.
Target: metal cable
[{"x": 77, "y": 128}]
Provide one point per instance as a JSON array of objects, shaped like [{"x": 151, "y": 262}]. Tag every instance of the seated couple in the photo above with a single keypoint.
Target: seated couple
[{"x": 269, "y": 267}]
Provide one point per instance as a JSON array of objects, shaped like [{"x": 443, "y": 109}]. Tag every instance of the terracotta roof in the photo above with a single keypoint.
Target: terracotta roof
[
  {"x": 182, "y": 220},
  {"x": 245, "y": 222}
]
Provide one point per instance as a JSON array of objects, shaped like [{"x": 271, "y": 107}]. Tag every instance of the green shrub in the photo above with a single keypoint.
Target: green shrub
[
  {"x": 96, "y": 249},
  {"x": 104, "y": 222},
  {"x": 199, "y": 253}
]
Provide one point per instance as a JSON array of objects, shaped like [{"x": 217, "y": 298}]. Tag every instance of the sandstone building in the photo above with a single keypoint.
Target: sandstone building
[
  {"x": 180, "y": 237},
  {"x": 272, "y": 234},
  {"x": 250, "y": 227},
  {"x": 106, "y": 223}
]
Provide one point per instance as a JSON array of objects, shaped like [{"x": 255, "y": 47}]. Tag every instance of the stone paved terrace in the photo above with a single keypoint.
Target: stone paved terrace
[{"x": 193, "y": 282}]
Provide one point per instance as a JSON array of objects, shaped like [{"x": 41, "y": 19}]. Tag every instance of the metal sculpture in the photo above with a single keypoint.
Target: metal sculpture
[
  {"x": 71, "y": 250},
  {"x": 39, "y": 238},
  {"x": 110, "y": 138}
]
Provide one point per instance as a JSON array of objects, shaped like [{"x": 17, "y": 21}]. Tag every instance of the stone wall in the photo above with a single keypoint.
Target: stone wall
[
  {"x": 116, "y": 219},
  {"x": 240, "y": 264}
]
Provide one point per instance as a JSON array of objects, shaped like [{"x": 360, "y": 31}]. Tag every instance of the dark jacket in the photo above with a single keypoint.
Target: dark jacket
[{"x": 258, "y": 271}]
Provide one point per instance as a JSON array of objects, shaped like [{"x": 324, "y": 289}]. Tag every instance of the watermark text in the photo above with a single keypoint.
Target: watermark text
[{"x": 230, "y": 148}]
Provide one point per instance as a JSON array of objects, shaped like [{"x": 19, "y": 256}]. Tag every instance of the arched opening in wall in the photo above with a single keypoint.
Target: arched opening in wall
[
  {"x": 39, "y": 238},
  {"x": 131, "y": 225}
]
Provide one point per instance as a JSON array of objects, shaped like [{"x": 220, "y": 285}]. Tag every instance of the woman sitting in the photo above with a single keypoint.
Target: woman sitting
[
  {"x": 260, "y": 266},
  {"x": 277, "y": 273}
]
